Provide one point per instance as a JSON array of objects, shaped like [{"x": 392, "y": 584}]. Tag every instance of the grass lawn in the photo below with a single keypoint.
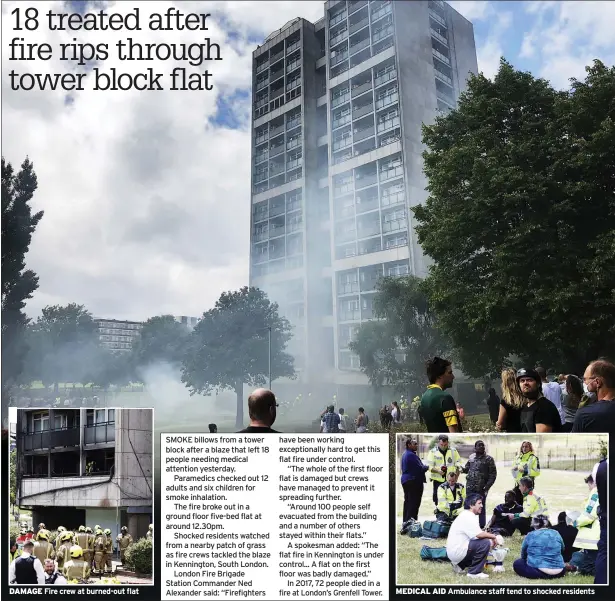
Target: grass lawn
[{"x": 563, "y": 490}]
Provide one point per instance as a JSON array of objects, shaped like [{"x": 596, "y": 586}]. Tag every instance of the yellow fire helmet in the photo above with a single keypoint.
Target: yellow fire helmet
[
  {"x": 151, "y": 526},
  {"x": 88, "y": 530},
  {"x": 81, "y": 528},
  {"x": 98, "y": 531},
  {"x": 42, "y": 535},
  {"x": 41, "y": 526},
  {"x": 61, "y": 529},
  {"x": 97, "y": 527},
  {"x": 66, "y": 536},
  {"x": 108, "y": 531},
  {"x": 76, "y": 551}
]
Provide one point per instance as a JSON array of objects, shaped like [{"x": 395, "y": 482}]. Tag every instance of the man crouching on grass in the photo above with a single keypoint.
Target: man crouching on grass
[{"x": 467, "y": 545}]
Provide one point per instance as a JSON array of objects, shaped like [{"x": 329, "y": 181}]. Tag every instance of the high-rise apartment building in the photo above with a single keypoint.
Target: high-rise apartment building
[
  {"x": 118, "y": 335},
  {"x": 336, "y": 163}
]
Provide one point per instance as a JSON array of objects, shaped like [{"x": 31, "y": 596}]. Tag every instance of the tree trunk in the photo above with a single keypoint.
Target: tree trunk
[{"x": 239, "y": 393}]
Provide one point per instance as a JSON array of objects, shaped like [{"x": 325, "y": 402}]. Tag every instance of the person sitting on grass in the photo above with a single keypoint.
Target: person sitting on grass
[
  {"x": 450, "y": 498},
  {"x": 467, "y": 546},
  {"x": 568, "y": 533},
  {"x": 500, "y": 524},
  {"x": 533, "y": 506},
  {"x": 541, "y": 552}
]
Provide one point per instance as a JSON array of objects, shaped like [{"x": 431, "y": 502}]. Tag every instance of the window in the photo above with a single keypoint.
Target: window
[
  {"x": 59, "y": 422},
  {"x": 40, "y": 421},
  {"x": 95, "y": 417}
]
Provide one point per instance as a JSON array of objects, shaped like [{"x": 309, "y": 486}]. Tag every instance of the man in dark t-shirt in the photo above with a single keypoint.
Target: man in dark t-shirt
[
  {"x": 568, "y": 534},
  {"x": 262, "y": 406},
  {"x": 438, "y": 408},
  {"x": 539, "y": 414},
  {"x": 500, "y": 521},
  {"x": 599, "y": 377}
]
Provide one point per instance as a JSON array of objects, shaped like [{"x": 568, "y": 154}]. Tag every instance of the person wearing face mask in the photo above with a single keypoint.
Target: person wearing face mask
[
  {"x": 599, "y": 416},
  {"x": 540, "y": 414}
]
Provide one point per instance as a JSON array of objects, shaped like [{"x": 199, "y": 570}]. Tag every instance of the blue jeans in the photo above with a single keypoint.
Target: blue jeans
[
  {"x": 522, "y": 569},
  {"x": 601, "y": 557}
]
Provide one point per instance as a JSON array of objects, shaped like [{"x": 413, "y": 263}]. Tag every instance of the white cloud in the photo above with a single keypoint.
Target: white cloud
[
  {"x": 472, "y": 10},
  {"x": 567, "y": 36},
  {"x": 147, "y": 205}
]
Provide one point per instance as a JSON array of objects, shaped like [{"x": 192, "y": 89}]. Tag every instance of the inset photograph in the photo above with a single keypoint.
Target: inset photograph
[
  {"x": 501, "y": 508},
  {"x": 81, "y": 491}
]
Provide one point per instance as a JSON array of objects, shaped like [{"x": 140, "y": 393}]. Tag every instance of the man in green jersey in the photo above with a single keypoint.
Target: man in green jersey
[{"x": 438, "y": 408}]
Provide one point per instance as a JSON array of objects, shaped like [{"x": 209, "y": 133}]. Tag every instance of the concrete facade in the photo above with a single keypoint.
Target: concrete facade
[
  {"x": 347, "y": 97},
  {"x": 86, "y": 466},
  {"x": 117, "y": 335}
]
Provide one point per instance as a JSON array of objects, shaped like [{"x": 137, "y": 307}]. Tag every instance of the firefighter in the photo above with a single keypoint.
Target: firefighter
[
  {"x": 451, "y": 495},
  {"x": 99, "y": 551},
  {"x": 30, "y": 534},
  {"x": 124, "y": 540},
  {"x": 525, "y": 464},
  {"x": 59, "y": 533},
  {"x": 150, "y": 532},
  {"x": 43, "y": 549},
  {"x": 21, "y": 539},
  {"x": 108, "y": 551},
  {"x": 88, "y": 554},
  {"x": 442, "y": 459},
  {"x": 82, "y": 540},
  {"x": 588, "y": 535},
  {"x": 76, "y": 568},
  {"x": 42, "y": 526},
  {"x": 533, "y": 505},
  {"x": 63, "y": 552}
]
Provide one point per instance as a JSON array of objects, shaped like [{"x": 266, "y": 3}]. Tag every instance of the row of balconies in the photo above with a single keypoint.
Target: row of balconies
[{"x": 66, "y": 437}]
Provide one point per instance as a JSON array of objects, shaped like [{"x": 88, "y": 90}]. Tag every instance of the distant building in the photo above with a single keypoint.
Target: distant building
[
  {"x": 189, "y": 322},
  {"x": 118, "y": 335},
  {"x": 86, "y": 467}
]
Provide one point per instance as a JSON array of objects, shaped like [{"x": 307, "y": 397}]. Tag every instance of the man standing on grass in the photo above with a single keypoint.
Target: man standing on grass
[
  {"x": 438, "y": 408},
  {"x": 441, "y": 459},
  {"x": 468, "y": 545},
  {"x": 481, "y": 474}
]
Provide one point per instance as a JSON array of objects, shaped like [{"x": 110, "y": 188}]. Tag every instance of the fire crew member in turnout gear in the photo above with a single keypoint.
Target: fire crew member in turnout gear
[
  {"x": 124, "y": 540},
  {"x": 62, "y": 555},
  {"x": 99, "y": 551},
  {"x": 88, "y": 554},
  {"x": 61, "y": 530},
  {"x": 52, "y": 576},
  {"x": 588, "y": 535},
  {"x": 30, "y": 534},
  {"x": 82, "y": 539},
  {"x": 22, "y": 538},
  {"x": 442, "y": 459},
  {"x": 525, "y": 464},
  {"x": 27, "y": 569},
  {"x": 451, "y": 495},
  {"x": 76, "y": 568},
  {"x": 533, "y": 506},
  {"x": 43, "y": 549},
  {"x": 108, "y": 551}
]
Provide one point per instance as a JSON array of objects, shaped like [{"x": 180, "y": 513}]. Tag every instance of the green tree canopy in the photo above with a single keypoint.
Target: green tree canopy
[
  {"x": 393, "y": 349},
  {"x": 18, "y": 283},
  {"x": 520, "y": 220},
  {"x": 162, "y": 340},
  {"x": 229, "y": 346}
]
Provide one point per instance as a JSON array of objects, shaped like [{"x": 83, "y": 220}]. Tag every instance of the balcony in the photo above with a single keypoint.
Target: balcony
[
  {"x": 276, "y": 130},
  {"x": 295, "y": 175},
  {"x": 387, "y": 174},
  {"x": 291, "y": 85},
  {"x": 293, "y": 65},
  {"x": 355, "y": 6},
  {"x": 294, "y": 163},
  {"x": 442, "y": 77},
  {"x": 260, "y": 157},
  {"x": 260, "y": 176},
  {"x": 439, "y": 37},
  {"x": 357, "y": 26},
  {"x": 260, "y": 68},
  {"x": 276, "y": 93},
  {"x": 261, "y": 102},
  {"x": 385, "y": 77},
  {"x": 276, "y": 169},
  {"x": 343, "y": 188},
  {"x": 338, "y": 38},
  {"x": 361, "y": 89},
  {"x": 350, "y": 315},
  {"x": 277, "y": 231},
  {"x": 364, "y": 205},
  {"x": 294, "y": 122},
  {"x": 348, "y": 287},
  {"x": 361, "y": 111},
  {"x": 341, "y": 143},
  {"x": 276, "y": 210},
  {"x": 363, "y": 181},
  {"x": 394, "y": 225},
  {"x": 345, "y": 236},
  {"x": 49, "y": 439},
  {"x": 276, "y": 57},
  {"x": 344, "y": 212},
  {"x": 358, "y": 46},
  {"x": 262, "y": 84},
  {"x": 387, "y": 124},
  {"x": 381, "y": 12},
  {"x": 380, "y": 34},
  {"x": 436, "y": 17},
  {"x": 444, "y": 98},
  {"x": 340, "y": 121},
  {"x": 394, "y": 136},
  {"x": 336, "y": 19},
  {"x": 274, "y": 151},
  {"x": 445, "y": 59},
  {"x": 292, "y": 47},
  {"x": 261, "y": 235},
  {"x": 99, "y": 433},
  {"x": 387, "y": 100},
  {"x": 390, "y": 200},
  {"x": 294, "y": 143},
  {"x": 339, "y": 58},
  {"x": 363, "y": 134},
  {"x": 341, "y": 99}
]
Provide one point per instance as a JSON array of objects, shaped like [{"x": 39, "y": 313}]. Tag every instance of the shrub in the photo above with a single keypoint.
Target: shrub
[
  {"x": 14, "y": 530},
  {"x": 139, "y": 556}
]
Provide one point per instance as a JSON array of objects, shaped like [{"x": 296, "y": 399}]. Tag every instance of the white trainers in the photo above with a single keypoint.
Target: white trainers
[
  {"x": 479, "y": 575},
  {"x": 457, "y": 569}
]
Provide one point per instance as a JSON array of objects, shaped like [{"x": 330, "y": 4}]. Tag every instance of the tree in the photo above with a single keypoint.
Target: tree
[
  {"x": 65, "y": 345},
  {"x": 394, "y": 349},
  {"x": 229, "y": 346},
  {"x": 18, "y": 283},
  {"x": 162, "y": 340},
  {"x": 13, "y": 476},
  {"x": 520, "y": 221}
]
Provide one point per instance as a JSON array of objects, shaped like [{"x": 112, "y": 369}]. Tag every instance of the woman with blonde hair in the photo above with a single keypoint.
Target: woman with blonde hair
[{"x": 512, "y": 402}]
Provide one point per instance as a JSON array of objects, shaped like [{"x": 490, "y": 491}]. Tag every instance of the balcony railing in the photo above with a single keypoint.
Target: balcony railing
[
  {"x": 99, "y": 433},
  {"x": 350, "y": 315},
  {"x": 341, "y": 16},
  {"x": 260, "y": 176},
  {"x": 338, "y": 58},
  {"x": 293, "y": 122},
  {"x": 439, "y": 37},
  {"x": 386, "y": 174},
  {"x": 260, "y": 85},
  {"x": 355, "y": 6},
  {"x": 292, "y": 65},
  {"x": 356, "y": 47},
  {"x": 348, "y": 287},
  {"x": 361, "y": 111},
  {"x": 390, "y": 200},
  {"x": 363, "y": 134},
  {"x": 276, "y": 57},
  {"x": 50, "y": 439},
  {"x": 291, "y": 85},
  {"x": 261, "y": 235},
  {"x": 295, "y": 205},
  {"x": 360, "y": 25},
  {"x": 444, "y": 98},
  {"x": 338, "y": 37},
  {"x": 294, "y": 164},
  {"x": 259, "y": 103},
  {"x": 394, "y": 226},
  {"x": 274, "y": 232},
  {"x": 275, "y": 75},
  {"x": 262, "y": 67},
  {"x": 276, "y": 210},
  {"x": 293, "y": 47},
  {"x": 293, "y": 143},
  {"x": 341, "y": 121},
  {"x": 341, "y": 144},
  {"x": 390, "y": 138},
  {"x": 274, "y": 151},
  {"x": 340, "y": 99},
  {"x": 276, "y": 93},
  {"x": 443, "y": 77},
  {"x": 388, "y": 76},
  {"x": 259, "y": 158},
  {"x": 386, "y": 100},
  {"x": 276, "y": 169},
  {"x": 365, "y": 180},
  {"x": 380, "y": 34},
  {"x": 343, "y": 188},
  {"x": 360, "y": 89},
  {"x": 445, "y": 59},
  {"x": 381, "y": 12},
  {"x": 262, "y": 138},
  {"x": 345, "y": 212},
  {"x": 388, "y": 124},
  {"x": 276, "y": 130},
  {"x": 436, "y": 17}
]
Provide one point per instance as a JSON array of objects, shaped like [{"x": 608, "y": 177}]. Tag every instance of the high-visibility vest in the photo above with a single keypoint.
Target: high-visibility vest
[
  {"x": 446, "y": 496},
  {"x": 435, "y": 460},
  {"x": 533, "y": 505},
  {"x": 588, "y": 524},
  {"x": 522, "y": 461}
]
